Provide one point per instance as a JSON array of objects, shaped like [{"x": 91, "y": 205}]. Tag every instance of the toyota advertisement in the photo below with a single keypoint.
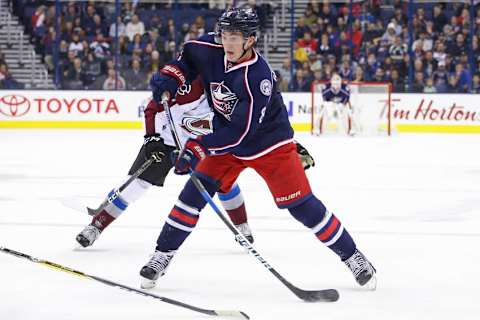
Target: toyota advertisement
[{"x": 71, "y": 109}]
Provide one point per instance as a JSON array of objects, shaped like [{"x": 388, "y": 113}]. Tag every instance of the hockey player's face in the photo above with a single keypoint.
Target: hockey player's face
[{"x": 233, "y": 45}]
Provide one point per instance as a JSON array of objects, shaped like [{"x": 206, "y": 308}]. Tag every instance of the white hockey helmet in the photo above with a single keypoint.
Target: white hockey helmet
[{"x": 336, "y": 81}]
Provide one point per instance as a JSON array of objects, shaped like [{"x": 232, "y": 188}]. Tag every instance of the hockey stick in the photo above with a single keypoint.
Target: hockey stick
[
  {"x": 325, "y": 295},
  {"x": 116, "y": 192},
  {"x": 225, "y": 313}
]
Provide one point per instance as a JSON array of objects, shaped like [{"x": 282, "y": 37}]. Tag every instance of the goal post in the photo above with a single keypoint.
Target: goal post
[{"x": 369, "y": 110}]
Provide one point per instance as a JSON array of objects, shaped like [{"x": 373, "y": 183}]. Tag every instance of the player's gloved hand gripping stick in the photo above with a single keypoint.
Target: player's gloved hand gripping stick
[{"x": 184, "y": 164}]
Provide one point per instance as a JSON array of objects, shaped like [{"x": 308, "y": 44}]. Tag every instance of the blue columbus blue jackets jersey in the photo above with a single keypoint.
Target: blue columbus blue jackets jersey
[
  {"x": 342, "y": 96},
  {"x": 250, "y": 116}
]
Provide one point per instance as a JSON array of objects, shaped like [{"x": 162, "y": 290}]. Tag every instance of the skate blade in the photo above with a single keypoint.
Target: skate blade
[
  {"x": 371, "y": 285},
  {"x": 147, "y": 283}
]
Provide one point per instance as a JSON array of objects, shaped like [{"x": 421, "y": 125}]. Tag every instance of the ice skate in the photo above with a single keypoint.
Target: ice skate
[
  {"x": 88, "y": 236},
  {"x": 244, "y": 229},
  {"x": 363, "y": 270},
  {"x": 155, "y": 268}
]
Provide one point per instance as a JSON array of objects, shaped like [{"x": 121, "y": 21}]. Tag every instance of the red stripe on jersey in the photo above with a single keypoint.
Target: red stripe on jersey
[
  {"x": 150, "y": 111},
  {"x": 183, "y": 217},
  {"x": 328, "y": 232}
]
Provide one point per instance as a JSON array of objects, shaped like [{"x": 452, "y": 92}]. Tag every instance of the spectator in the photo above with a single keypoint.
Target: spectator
[
  {"x": 6, "y": 79},
  {"x": 100, "y": 48},
  {"x": 439, "y": 54},
  {"x": 301, "y": 28},
  {"x": 452, "y": 85},
  {"x": 99, "y": 26},
  {"x": 71, "y": 13},
  {"x": 440, "y": 77},
  {"x": 308, "y": 43},
  {"x": 358, "y": 74},
  {"x": 300, "y": 54},
  {"x": 463, "y": 78},
  {"x": 398, "y": 85},
  {"x": 389, "y": 35},
  {"x": 136, "y": 45},
  {"x": 475, "y": 83},
  {"x": 429, "y": 87},
  {"x": 324, "y": 48},
  {"x": 76, "y": 45},
  {"x": 439, "y": 18},
  {"x": 113, "y": 81},
  {"x": 284, "y": 72},
  {"x": 88, "y": 21},
  {"x": 459, "y": 47},
  {"x": 134, "y": 77},
  {"x": 133, "y": 27},
  {"x": 299, "y": 82},
  {"x": 75, "y": 76},
  {"x": 92, "y": 68},
  {"x": 418, "y": 83},
  {"x": 121, "y": 28},
  {"x": 38, "y": 20},
  {"x": 155, "y": 62},
  {"x": 397, "y": 51},
  {"x": 345, "y": 71}
]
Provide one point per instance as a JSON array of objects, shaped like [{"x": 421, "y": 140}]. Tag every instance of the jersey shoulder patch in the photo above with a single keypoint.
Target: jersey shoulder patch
[{"x": 266, "y": 87}]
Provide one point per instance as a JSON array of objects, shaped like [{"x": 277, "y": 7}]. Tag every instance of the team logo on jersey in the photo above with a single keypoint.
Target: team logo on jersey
[
  {"x": 224, "y": 100},
  {"x": 184, "y": 89},
  {"x": 266, "y": 87},
  {"x": 198, "y": 126}
]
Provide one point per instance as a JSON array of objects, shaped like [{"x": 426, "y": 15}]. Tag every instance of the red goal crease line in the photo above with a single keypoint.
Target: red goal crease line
[{"x": 71, "y": 124}]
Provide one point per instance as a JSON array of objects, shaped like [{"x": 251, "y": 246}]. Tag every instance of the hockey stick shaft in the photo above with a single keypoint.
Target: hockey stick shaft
[
  {"x": 116, "y": 192},
  {"x": 56, "y": 266},
  {"x": 306, "y": 295}
]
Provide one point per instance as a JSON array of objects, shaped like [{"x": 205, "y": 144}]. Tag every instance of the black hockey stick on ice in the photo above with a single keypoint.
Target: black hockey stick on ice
[
  {"x": 211, "y": 312},
  {"x": 116, "y": 192},
  {"x": 325, "y": 295}
]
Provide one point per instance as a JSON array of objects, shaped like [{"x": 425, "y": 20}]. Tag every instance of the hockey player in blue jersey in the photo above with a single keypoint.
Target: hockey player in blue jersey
[
  {"x": 336, "y": 103},
  {"x": 251, "y": 130}
]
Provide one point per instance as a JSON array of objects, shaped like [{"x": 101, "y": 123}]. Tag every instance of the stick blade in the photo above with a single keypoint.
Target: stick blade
[
  {"x": 232, "y": 314},
  {"x": 327, "y": 295}
]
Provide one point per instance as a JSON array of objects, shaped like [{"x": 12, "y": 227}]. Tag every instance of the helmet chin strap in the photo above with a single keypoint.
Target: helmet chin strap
[{"x": 244, "y": 52}]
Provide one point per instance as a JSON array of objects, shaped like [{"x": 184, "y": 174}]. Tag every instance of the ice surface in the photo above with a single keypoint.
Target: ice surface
[{"x": 411, "y": 202}]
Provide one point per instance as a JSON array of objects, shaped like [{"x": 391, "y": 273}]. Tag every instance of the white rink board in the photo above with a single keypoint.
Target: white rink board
[{"x": 446, "y": 113}]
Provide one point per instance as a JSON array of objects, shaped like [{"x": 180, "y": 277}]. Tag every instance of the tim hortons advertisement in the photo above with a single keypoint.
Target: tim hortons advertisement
[
  {"x": 431, "y": 113},
  {"x": 70, "y": 109}
]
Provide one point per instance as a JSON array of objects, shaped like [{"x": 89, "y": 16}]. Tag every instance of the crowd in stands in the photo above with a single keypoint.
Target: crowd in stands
[
  {"x": 369, "y": 43},
  {"x": 149, "y": 34},
  {"x": 374, "y": 46}
]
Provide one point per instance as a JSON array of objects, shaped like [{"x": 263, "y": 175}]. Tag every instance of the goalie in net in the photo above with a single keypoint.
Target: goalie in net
[
  {"x": 335, "y": 110},
  {"x": 361, "y": 108}
]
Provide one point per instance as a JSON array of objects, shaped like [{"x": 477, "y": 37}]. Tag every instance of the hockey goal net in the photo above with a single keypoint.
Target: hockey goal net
[{"x": 369, "y": 114}]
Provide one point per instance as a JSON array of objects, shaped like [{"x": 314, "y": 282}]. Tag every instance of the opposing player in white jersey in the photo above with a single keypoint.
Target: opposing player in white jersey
[
  {"x": 336, "y": 104},
  {"x": 191, "y": 112}
]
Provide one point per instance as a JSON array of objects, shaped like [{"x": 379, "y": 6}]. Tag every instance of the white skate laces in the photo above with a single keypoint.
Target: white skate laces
[
  {"x": 155, "y": 268},
  {"x": 88, "y": 235},
  {"x": 362, "y": 269}
]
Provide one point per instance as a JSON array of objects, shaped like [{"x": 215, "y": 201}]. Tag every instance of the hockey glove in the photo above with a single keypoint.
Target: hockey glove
[
  {"x": 192, "y": 153},
  {"x": 305, "y": 157},
  {"x": 160, "y": 83},
  {"x": 154, "y": 147}
]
